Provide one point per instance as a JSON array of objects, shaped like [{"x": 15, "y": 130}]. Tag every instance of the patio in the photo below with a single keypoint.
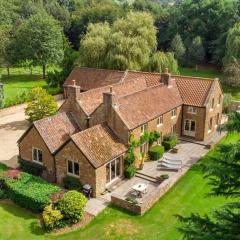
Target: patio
[{"x": 189, "y": 152}]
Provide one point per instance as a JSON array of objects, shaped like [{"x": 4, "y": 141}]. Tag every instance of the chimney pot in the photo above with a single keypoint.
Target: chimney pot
[{"x": 74, "y": 82}]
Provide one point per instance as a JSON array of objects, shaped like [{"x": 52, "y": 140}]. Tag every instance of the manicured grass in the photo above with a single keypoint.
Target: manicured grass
[
  {"x": 20, "y": 81},
  {"x": 212, "y": 73},
  {"x": 189, "y": 195}
]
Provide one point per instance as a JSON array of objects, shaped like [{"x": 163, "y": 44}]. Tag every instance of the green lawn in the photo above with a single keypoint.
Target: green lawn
[
  {"x": 211, "y": 73},
  {"x": 189, "y": 195},
  {"x": 20, "y": 81}
]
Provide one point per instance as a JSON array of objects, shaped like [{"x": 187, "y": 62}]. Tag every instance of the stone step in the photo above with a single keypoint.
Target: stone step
[{"x": 146, "y": 177}]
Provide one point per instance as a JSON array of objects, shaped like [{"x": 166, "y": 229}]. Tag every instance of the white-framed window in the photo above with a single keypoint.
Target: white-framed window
[
  {"x": 159, "y": 141},
  {"x": 143, "y": 128},
  {"x": 159, "y": 121},
  {"x": 210, "y": 123},
  {"x": 73, "y": 168},
  {"x": 219, "y": 99},
  {"x": 192, "y": 110},
  {"x": 37, "y": 155},
  {"x": 173, "y": 128},
  {"x": 212, "y": 104},
  {"x": 113, "y": 169},
  {"x": 144, "y": 148},
  {"x": 174, "y": 113}
]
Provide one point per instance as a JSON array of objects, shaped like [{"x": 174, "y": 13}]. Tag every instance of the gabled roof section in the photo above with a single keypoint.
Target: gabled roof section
[
  {"x": 89, "y": 101},
  {"x": 194, "y": 91},
  {"x": 91, "y": 78},
  {"x": 99, "y": 144},
  {"x": 57, "y": 129},
  {"x": 143, "y": 106}
]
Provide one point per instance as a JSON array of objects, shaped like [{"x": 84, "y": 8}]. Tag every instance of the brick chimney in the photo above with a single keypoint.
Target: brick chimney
[
  {"x": 74, "y": 91},
  {"x": 166, "y": 77},
  {"x": 108, "y": 98}
]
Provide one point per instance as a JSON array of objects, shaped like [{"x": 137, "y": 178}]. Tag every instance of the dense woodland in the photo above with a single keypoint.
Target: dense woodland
[{"x": 141, "y": 35}]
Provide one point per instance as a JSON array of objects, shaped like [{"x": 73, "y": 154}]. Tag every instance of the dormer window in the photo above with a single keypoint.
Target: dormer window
[
  {"x": 192, "y": 110},
  {"x": 174, "y": 113},
  {"x": 159, "y": 121},
  {"x": 143, "y": 128}
]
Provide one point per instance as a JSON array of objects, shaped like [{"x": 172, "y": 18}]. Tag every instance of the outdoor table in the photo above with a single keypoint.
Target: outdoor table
[{"x": 140, "y": 188}]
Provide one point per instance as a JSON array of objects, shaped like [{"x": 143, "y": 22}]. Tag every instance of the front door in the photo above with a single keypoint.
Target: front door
[
  {"x": 189, "y": 127},
  {"x": 113, "y": 170}
]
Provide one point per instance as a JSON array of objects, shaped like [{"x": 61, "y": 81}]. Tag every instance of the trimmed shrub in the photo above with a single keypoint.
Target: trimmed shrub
[
  {"x": 129, "y": 158},
  {"x": 170, "y": 141},
  {"x": 130, "y": 171},
  {"x": 3, "y": 194},
  {"x": 29, "y": 191},
  {"x": 3, "y": 168},
  {"x": 31, "y": 167},
  {"x": 156, "y": 152},
  {"x": 51, "y": 217},
  {"x": 72, "y": 206},
  {"x": 71, "y": 183}
]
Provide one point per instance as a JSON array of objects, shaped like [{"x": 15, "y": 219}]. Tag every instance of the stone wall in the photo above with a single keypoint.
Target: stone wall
[{"x": 33, "y": 139}]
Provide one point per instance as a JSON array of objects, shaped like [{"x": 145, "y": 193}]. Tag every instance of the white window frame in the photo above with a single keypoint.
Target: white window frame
[
  {"x": 143, "y": 128},
  {"x": 73, "y": 167},
  {"x": 189, "y": 132},
  {"x": 116, "y": 177},
  {"x": 174, "y": 113},
  {"x": 192, "y": 110},
  {"x": 173, "y": 127},
  {"x": 160, "y": 121},
  {"x": 210, "y": 129},
  {"x": 37, "y": 160}
]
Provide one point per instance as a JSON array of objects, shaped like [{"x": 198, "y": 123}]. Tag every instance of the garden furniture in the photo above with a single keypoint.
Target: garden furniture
[{"x": 140, "y": 189}]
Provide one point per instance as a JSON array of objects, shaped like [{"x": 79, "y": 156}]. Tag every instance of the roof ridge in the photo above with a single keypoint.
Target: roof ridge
[
  {"x": 101, "y": 69},
  {"x": 200, "y": 78},
  {"x": 87, "y": 129},
  {"x": 145, "y": 72}
]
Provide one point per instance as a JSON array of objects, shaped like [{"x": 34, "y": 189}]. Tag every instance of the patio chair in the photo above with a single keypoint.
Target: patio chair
[
  {"x": 174, "y": 162},
  {"x": 170, "y": 166}
]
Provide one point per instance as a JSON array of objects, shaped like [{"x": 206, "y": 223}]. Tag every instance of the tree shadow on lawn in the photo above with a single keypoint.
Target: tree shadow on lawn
[
  {"x": 16, "y": 125},
  {"x": 13, "y": 209}
]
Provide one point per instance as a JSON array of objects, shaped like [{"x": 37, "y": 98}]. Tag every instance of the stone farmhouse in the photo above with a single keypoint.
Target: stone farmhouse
[{"x": 89, "y": 136}]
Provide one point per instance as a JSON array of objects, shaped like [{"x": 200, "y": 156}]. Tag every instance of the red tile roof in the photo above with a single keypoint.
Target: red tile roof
[
  {"x": 99, "y": 144},
  {"x": 194, "y": 91},
  {"x": 143, "y": 106},
  {"x": 90, "y": 78},
  {"x": 90, "y": 100},
  {"x": 57, "y": 129}
]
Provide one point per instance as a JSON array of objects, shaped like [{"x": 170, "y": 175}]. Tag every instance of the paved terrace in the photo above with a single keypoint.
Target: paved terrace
[{"x": 190, "y": 153}]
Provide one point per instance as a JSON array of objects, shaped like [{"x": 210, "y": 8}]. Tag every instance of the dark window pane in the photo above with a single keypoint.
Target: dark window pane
[
  {"x": 118, "y": 166},
  {"x": 70, "y": 167},
  {"x": 113, "y": 173},
  {"x": 76, "y": 169},
  {"x": 35, "y": 154},
  {"x": 193, "y": 126},
  {"x": 39, "y": 155},
  {"x": 108, "y": 172}
]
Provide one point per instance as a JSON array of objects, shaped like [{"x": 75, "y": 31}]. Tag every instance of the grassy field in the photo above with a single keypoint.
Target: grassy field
[
  {"x": 20, "y": 82},
  {"x": 188, "y": 195}
]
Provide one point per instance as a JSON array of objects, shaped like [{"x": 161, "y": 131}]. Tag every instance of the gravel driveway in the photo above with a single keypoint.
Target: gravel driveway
[{"x": 13, "y": 124}]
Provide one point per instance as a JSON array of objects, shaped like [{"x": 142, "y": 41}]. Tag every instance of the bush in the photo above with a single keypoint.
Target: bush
[
  {"x": 156, "y": 152},
  {"x": 31, "y": 167},
  {"x": 51, "y": 217},
  {"x": 130, "y": 158},
  {"x": 30, "y": 192},
  {"x": 130, "y": 171},
  {"x": 3, "y": 168},
  {"x": 71, "y": 183},
  {"x": 170, "y": 141},
  {"x": 72, "y": 206},
  {"x": 3, "y": 194},
  {"x": 131, "y": 200}
]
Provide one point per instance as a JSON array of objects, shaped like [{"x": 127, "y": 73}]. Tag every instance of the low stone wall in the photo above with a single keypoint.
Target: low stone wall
[
  {"x": 235, "y": 105},
  {"x": 149, "y": 200}
]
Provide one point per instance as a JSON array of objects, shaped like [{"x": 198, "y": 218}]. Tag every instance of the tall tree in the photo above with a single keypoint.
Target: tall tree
[
  {"x": 160, "y": 61},
  {"x": 232, "y": 72},
  {"x": 132, "y": 41},
  {"x": 196, "y": 52},
  {"x": 94, "y": 45},
  {"x": 233, "y": 44},
  {"x": 40, "y": 40},
  {"x": 178, "y": 48}
]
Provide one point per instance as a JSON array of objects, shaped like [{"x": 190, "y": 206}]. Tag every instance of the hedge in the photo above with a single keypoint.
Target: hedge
[
  {"x": 30, "y": 192},
  {"x": 71, "y": 183},
  {"x": 31, "y": 167},
  {"x": 130, "y": 171},
  {"x": 170, "y": 141},
  {"x": 156, "y": 152}
]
